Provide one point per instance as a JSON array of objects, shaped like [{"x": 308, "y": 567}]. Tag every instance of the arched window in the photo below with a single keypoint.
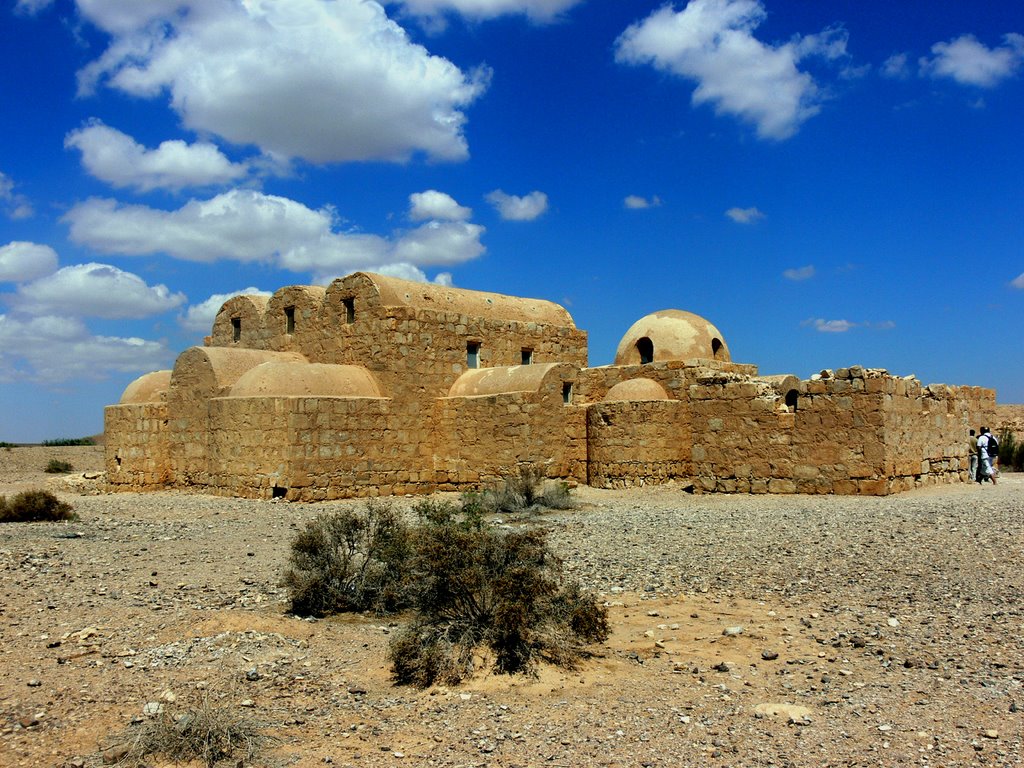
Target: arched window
[
  {"x": 716, "y": 349},
  {"x": 645, "y": 348},
  {"x": 791, "y": 399}
]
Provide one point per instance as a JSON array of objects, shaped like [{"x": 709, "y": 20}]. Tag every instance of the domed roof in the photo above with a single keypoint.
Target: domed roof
[
  {"x": 288, "y": 379},
  {"x": 501, "y": 380},
  {"x": 671, "y": 334},
  {"x": 147, "y": 389},
  {"x": 637, "y": 389}
]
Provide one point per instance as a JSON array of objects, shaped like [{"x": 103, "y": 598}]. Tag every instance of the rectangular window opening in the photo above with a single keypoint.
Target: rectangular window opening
[
  {"x": 289, "y": 320},
  {"x": 350, "y": 310},
  {"x": 279, "y": 492},
  {"x": 567, "y": 392},
  {"x": 527, "y": 357},
  {"x": 473, "y": 354},
  {"x": 236, "y": 329}
]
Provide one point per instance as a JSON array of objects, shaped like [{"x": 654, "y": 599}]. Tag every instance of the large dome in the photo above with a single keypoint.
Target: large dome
[
  {"x": 150, "y": 388},
  {"x": 671, "y": 334},
  {"x": 285, "y": 379}
]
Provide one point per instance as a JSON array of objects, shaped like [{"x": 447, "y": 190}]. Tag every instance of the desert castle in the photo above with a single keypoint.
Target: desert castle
[{"x": 376, "y": 386}]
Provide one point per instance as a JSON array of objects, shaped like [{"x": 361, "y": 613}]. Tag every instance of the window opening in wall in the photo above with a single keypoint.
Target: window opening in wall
[
  {"x": 350, "y": 310},
  {"x": 716, "y": 349},
  {"x": 567, "y": 392},
  {"x": 289, "y": 319},
  {"x": 236, "y": 328},
  {"x": 278, "y": 492},
  {"x": 473, "y": 354},
  {"x": 791, "y": 399},
  {"x": 645, "y": 348},
  {"x": 527, "y": 357}
]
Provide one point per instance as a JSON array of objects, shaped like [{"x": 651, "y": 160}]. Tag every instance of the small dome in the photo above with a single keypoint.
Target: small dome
[
  {"x": 286, "y": 379},
  {"x": 502, "y": 380},
  {"x": 637, "y": 389},
  {"x": 671, "y": 334},
  {"x": 150, "y": 388}
]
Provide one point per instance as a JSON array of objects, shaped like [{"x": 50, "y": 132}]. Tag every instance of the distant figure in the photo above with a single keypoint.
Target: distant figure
[
  {"x": 972, "y": 451},
  {"x": 985, "y": 470}
]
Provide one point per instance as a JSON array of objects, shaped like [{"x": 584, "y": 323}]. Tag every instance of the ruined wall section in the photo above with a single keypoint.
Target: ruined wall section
[
  {"x": 1009, "y": 417},
  {"x": 633, "y": 443},
  {"x": 675, "y": 376},
  {"x": 136, "y": 438}
]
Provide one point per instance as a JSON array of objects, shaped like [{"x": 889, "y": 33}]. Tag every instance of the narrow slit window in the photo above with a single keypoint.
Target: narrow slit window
[
  {"x": 473, "y": 354},
  {"x": 645, "y": 348},
  {"x": 792, "y": 397},
  {"x": 236, "y": 329},
  {"x": 289, "y": 320},
  {"x": 350, "y": 310},
  {"x": 716, "y": 349},
  {"x": 567, "y": 392},
  {"x": 527, "y": 358}
]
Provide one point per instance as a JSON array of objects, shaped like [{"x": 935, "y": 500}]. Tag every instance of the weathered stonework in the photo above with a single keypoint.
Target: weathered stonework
[{"x": 378, "y": 386}]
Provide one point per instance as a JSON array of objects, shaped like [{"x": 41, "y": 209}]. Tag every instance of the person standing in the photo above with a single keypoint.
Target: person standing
[
  {"x": 985, "y": 468},
  {"x": 972, "y": 452}
]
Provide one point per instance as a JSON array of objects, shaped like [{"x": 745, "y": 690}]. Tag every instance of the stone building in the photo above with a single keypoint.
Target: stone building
[{"x": 376, "y": 386}]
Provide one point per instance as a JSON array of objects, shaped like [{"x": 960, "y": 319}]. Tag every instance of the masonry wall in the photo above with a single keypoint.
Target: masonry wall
[
  {"x": 636, "y": 443},
  {"x": 136, "y": 445},
  {"x": 1009, "y": 417}
]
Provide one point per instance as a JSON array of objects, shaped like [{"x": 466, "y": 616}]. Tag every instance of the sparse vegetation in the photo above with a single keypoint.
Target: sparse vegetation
[
  {"x": 34, "y": 506},
  {"x": 66, "y": 441},
  {"x": 475, "y": 590},
  {"x": 351, "y": 561},
  {"x": 1011, "y": 451},
  {"x": 7, "y": 446},
  {"x": 209, "y": 733},
  {"x": 526, "y": 491},
  {"x": 56, "y": 466}
]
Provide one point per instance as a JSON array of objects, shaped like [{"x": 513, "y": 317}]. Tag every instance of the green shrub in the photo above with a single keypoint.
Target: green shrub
[
  {"x": 350, "y": 561},
  {"x": 66, "y": 441},
  {"x": 488, "y": 588},
  {"x": 57, "y": 466},
  {"x": 525, "y": 491},
  {"x": 32, "y": 506},
  {"x": 6, "y": 445},
  {"x": 1011, "y": 451}
]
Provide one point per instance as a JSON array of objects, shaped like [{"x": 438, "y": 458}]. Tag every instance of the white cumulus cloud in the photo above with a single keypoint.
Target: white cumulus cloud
[
  {"x": 515, "y": 208},
  {"x": 95, "y": 290},
  {"x": 15, "y": 206},
  {"x": 536, "y": 10},
  {"x": 199, "y": 318},
  {"x": 896, "y": 67},
  {"x": 21, "y": 261},
  {"x": 638, "y": 203},
  {"x": 1018, "y": 282},
  {"x": 250, "y": 226},
  {"x": 711, "y": 42},
  {"x": 830, "y": 326},
  {"x": 800, "y": 273},
  {"x": 745, "y": 215},
  {"x": 970, "y": 62},
  {"x": 323, "y": 80},
  {"x": 436, "y": 205},
  {"x": 116, "y": 158}
]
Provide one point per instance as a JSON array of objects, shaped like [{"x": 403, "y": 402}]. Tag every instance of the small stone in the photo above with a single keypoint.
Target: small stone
[
  {"x": 893, "y": 622},
  {"x": 723, "y": 666},
  {"x": 252, "y": 675},
  {"x": 152, "y": 708},
  {"x": 732, "y": 631},
  {"x": 34, "y": 683},
  {"x": 115, "y": 754},
  {"x": 991, "y": 733},
  {"x": 769, "y": 655}
]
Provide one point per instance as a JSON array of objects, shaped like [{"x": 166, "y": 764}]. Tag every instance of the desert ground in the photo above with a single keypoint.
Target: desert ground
[{"x": 747, "y": 631}]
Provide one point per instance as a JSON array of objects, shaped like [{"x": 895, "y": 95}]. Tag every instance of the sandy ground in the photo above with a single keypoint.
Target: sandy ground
[{"x": 863, "y": 632}]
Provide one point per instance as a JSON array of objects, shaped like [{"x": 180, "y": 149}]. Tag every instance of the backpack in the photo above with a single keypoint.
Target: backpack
[{"x": 993, "y": 446}]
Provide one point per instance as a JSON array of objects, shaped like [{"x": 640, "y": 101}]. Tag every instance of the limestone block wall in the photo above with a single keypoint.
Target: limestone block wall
[
  {"x": 137, "y": 445},
  {"x": 635, "y": 443},
  {"x": 1009, "y": 417},
  {"x": 675, "y": 376}
]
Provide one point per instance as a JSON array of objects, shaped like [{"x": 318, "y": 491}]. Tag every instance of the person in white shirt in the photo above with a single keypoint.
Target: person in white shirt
[{"x": 987, "y": 469}]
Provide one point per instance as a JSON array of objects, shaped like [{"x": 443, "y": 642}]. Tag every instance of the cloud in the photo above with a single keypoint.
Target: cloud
[
  {"x": 95, "y": 290},
  {"x": 1018, "y": 282},
  {"x": 31, "y": 7},
  {"x": 711, "y": 42},
  {"x": 970, "y": 62},
  {"x": 800, "y": 273},
  {"x": 436, "y": 205},
  {"x": 896, "y": 67},
  {"x": 199, "y": 318},
  {"x": 15, "y": 206},
  {"x": 119, "y": 160},
  {"x": 745, "y": 215},
  {"x": 513, "y": 208},
  {"x": 830, "y": 326},
  {"x": 52, "y": 349},
  {"x": 250, "y": 226},
  {"x": 636, "y": 202},
  {"x": 324, "y": 81},
  {"x": 409, "y": 272},
  {"x": 536, "y": 10},
  {"x": 21, "y": 261}
]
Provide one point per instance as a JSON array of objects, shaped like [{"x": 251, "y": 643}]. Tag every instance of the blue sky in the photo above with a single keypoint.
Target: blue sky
[{"x": 830, "y": 184}]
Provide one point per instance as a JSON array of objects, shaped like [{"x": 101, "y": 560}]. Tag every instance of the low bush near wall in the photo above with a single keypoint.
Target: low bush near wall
[
  {"x": 1011, "y": 452},
  {"x": 33, "y": 506},
  {"x": 526, "y": 491},
  {"x": 56, "y": 466}
]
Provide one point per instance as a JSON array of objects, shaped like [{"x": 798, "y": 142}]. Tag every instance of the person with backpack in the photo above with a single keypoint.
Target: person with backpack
[{"x": 988, "y": 455}]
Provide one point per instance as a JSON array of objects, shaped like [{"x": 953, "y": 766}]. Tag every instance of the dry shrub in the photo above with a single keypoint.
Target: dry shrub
[
  {"x": 56, "y": 466},
  {"x": 350, "y": 561},
  {"x": 528, "y": 490},
  {"x": 208, "y": 732},
  {"x": 33, "y": 506}
]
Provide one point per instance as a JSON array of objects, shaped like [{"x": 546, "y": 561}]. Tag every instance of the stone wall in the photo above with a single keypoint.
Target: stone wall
[
  {"x": 139, "y": 456},
  {"x": 1009, "y": 417},
  {"x": 636, "y": 443}
]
